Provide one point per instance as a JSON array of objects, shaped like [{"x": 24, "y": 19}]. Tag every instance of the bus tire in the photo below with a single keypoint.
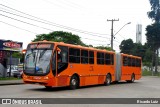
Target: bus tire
[
  {"x": 74, "y": 83},
  {"x": 108, "y": 80},
  {"x": 132, "y": 79}
]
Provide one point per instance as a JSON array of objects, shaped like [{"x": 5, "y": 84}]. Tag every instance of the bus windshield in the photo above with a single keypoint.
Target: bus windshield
[{"x": 37, "y": 60}]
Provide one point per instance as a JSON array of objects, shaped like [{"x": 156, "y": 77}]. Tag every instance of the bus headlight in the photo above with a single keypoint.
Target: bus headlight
[{"x": 46, "y": 78}]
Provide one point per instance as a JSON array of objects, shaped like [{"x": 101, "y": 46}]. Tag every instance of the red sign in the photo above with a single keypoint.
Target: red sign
[{"x": 12, "y": 45}]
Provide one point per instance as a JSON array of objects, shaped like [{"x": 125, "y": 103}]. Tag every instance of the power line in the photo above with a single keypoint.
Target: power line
[
  {"x": 93, "y": 39},
  {"x": 42, "y": 21},
  {"x": 116, "y": 41},
  {"x": 37, "y": 33},
  {"x": 33, "y": 24},
  {"x": 26, "y": 22},
  {"x": 58, "y": 25},
  {"x": 18, "y": 27}
]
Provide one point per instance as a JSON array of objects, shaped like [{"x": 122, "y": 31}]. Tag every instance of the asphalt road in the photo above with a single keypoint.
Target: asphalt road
[{"x": 147, "y": 87}]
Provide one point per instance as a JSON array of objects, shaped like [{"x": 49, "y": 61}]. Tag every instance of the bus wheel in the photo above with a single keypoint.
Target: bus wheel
[
  {"x": 132, "y": 79},
  {"x": 108, "y": 80},
  {"x": 74, "y": 82}
]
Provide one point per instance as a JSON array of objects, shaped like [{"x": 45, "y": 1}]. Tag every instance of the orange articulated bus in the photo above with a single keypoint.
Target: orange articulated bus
[{"x": 57, "y": 64}]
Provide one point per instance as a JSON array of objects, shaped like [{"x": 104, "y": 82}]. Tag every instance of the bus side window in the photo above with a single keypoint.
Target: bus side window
[
  {"x": 107, "y": 59},
  {"x": 74, "y": 55},
  {"x": 138, "y": 63},
  {"x": 125, "y": 61},
  {"x": 129, "y": 61},
  {"x": 84, "y": 56},
  {"x": 91, "y": 57},
  {"x": 100, "y": 58},
  {"x": 133, "y": 62},
  {"x": 112, "y": 59}
]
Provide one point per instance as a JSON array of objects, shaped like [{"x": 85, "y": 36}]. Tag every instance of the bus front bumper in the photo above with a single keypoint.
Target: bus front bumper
[{"x": 41, "y": 80}]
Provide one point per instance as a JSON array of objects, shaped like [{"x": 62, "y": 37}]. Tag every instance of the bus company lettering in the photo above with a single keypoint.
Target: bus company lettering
[
  {"x": 44, "y": 46},
  {"x": 38, "y": 46}
]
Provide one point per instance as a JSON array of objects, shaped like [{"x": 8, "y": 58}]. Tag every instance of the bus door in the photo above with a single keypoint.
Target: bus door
[
  {"x": 93, "y": 78},
  {"x": 62, "y": 65}
]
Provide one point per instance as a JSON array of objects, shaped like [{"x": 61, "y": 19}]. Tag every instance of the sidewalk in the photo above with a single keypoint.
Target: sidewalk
[{"x": 11, "y": 82}]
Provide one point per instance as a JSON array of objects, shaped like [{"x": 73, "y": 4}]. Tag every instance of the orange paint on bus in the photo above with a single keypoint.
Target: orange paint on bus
[{"x": 86, "y": 73}]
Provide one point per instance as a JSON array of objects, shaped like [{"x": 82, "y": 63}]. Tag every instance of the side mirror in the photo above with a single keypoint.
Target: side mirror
[{"x": 58, "y": 50}]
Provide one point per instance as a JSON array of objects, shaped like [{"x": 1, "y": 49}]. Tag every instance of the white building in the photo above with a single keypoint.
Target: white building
[{"x": 139, "y": 33}]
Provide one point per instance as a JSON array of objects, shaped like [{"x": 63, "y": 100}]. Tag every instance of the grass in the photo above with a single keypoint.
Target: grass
[
  {"x": 9, "y": 78},
  {"x": 149, "y": 73}
]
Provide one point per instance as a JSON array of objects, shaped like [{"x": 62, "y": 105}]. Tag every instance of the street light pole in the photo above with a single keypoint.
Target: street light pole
[
  {"x": 112, "y": 32},
  {"x": 122, "y": 27},
  {"x": 112, "y": 36}
]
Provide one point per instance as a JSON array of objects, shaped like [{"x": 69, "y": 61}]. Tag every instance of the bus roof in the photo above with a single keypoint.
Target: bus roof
[
  {"x": 131, "y": 56},
  {"x": 83, "y": 47},
  {"x": 74, "y": 46}
]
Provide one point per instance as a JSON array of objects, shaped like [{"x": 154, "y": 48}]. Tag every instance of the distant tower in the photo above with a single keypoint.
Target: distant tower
[{"x": 139, "y": 33}]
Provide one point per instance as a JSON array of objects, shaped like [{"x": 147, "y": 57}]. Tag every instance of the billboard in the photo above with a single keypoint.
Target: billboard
[{"x": 10, "y": 45}]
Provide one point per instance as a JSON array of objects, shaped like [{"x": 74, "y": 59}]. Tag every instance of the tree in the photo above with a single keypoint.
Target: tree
[
  {"x": 153, "y": 31},
  {"x": 18, "y": 55},
  {"x": 147, "y": 58},
  {"x": 126, "y": 46},
  {"x": 60, "y": 36},
  {"x": 154, "y": 14},
  {"x": 153, "y": 35},
  {"x": 104, "y": 47},
  {"x": 137, "y": 49},
  {"x": 153, "y": 40}
]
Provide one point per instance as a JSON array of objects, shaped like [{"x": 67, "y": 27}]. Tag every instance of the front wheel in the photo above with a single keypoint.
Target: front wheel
[
  {"x": 108, "y": 80},
  {"x": 74, "y": 83}
]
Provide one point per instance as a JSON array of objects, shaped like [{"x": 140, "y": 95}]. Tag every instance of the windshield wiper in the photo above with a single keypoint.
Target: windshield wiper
[{"x": 42, "y": 53}]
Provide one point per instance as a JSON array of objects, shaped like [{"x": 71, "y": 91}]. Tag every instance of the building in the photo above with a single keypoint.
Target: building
[
  {"x": 139, "y": 33},
  {"x": 7, "y": 47}
]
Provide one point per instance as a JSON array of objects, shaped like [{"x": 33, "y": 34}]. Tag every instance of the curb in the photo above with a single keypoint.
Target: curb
[{"x": 11, "y": 82}]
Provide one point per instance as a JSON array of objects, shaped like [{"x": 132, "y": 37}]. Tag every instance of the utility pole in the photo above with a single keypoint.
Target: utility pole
[{"x": 112, "y": 31}]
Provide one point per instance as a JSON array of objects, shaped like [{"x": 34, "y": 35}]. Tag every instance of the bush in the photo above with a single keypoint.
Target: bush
[{"x": 149, "y": 73}]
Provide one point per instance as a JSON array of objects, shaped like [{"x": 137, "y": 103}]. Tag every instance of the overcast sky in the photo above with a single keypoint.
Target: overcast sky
[{"x": 82, "y": 15}]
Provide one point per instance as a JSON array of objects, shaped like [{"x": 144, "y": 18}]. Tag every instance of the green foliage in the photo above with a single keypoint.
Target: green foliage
[
  {"x": 137, "y": 49},
  {"x": 104, "y": 47},
  {"x": 154, "y": 14},
  {"x": 153, "y": 31},
  {"x": 8, "y": 78},
  {"x": 18, "y": 55},
  {"x": 153, "y": 35},
  {"x": 147, "y": 59},
  {"x": 126, "y": 46},
  {"x": 146, "y": 73},
  {"x": 60, "y": 36}
]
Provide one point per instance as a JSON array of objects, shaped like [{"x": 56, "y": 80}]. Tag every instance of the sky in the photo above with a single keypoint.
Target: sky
[{"x": 85, "y": 18}]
